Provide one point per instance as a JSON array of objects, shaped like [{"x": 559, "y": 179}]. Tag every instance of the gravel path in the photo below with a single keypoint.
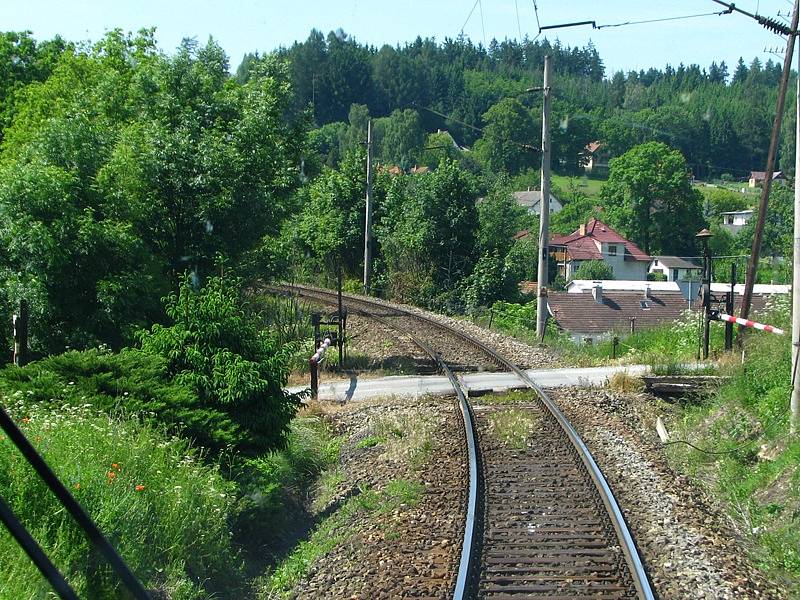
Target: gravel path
[
  {"x": 689, "y": 546},
  {"x": 410, "y": 550}
]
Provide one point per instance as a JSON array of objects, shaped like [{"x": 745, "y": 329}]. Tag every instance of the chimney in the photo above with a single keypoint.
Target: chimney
[
  {"x": 647, "y": 292},
  {"x": 597, "y": 292},
  {"x": 582, "y": 229}
]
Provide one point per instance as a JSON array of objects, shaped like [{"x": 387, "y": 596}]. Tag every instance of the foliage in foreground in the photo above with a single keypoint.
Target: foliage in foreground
[
  {"x": 213, "y": 348},
  {"x": 165, "y": 512},
  {"x": 758, "y": 478},
  {"x": 129, "y": 383}
]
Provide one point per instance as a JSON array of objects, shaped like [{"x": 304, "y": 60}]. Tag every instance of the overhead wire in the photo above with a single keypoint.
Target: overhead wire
[
  {"x": 476, "y": 128},
  {"x": 538, "y": 24},
  {"x": 662, "y": 19},
  {"x": 519, "y": 25},
  {"x": 469, "y": 16},
  {"x": 483, "y": 25}
]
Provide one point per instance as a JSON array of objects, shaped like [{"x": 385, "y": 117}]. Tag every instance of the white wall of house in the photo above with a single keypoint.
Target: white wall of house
[
  {"x": 674, "y": 274},
  {"x": 614, "y": 256}
]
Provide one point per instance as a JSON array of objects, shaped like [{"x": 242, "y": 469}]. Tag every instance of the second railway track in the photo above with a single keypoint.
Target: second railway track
[{"x": 541, "y": 521}]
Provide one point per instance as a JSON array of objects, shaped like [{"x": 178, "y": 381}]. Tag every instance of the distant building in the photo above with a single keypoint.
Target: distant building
[
  {"x": 677, "y": 268},
  {"x": 734, "y": 220},
  {"x": 579, "y": 286},
  {"x": 531, "y": 200},
  {"x": 598, "y": 241},
  {"x": 599, "y": 312},
  {"x": 595, "y": 158},
  {"x": 757, "y": 178},
  {"x": 593, "y": 310}
]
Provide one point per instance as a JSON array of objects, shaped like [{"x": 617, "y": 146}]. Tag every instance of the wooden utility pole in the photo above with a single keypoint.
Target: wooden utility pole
[
  {"x": 752, "y": 264},
  {"x": 544, "y": 204},
  {"x": 368, "y": 216}
]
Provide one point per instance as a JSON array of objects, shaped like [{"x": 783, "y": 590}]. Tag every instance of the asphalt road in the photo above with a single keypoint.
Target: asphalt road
[{"x": 411, "y": 386}]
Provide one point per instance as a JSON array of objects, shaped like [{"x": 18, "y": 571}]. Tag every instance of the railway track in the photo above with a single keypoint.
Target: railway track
[{"x": 542, "y": 521}]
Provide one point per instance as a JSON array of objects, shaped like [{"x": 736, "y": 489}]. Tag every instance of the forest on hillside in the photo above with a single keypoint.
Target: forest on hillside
[{"x": 719, "y": 116}]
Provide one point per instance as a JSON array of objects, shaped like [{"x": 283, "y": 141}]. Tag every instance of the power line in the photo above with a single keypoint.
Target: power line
[
  {"x": 481, "y": 130},
  {"x": 626, "y": 23},
  {"x": 536, "y": 12},
  {"x": 519, "y": 25},
  {"x": 642, "y": 22},
  {"x": 538, "y": 24},
  {"x": 483, "y": 25},
  {"x": 469, "y": 16}
]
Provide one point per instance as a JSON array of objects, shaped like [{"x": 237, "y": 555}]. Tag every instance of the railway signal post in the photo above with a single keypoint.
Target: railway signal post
[{"x": 704, "y": 236}]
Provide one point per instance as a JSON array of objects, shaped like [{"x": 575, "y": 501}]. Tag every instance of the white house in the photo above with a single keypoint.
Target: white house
[
  {"x": 531, "y": 201},
  {"x": 677, "y": 268},
  {"x": 734, "y": 220},
  {"x": 598, "y": 241}
]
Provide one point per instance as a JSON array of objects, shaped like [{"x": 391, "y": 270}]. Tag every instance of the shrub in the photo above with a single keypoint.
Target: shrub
[
  {"x": 217, "y": 351},
  {"x": 131, "y": 382},
  {"x": 594, "y": 269},
  {"x": 164, "y": 511}
]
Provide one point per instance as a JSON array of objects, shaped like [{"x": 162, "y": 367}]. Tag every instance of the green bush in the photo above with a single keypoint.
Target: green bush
[
  {"x": 215, "y": 349},
  {"x": 594, "y": 269},
  {"x": 512, "y": 317},
  {"x": 165, "y": 512},
  {"x": 131, "y": 382}
]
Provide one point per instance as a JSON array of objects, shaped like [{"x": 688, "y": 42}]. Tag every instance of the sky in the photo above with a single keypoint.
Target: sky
[{"x": 242, "y": 26}]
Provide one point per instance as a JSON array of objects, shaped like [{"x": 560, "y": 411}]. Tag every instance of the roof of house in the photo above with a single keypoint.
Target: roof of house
[
  {"x": 593, "y": 147},
  {"x": 584, "y": 246},
  {"x": 581, "y": 313},
  {"x": 749, "y": 211},
  {"x": 531, "y": 198},
  {"x": 678, "y": 262},
  {"x": 577, "y": 286},
  {"x": 762, "y": 175},
  {"x": 758, "y": 288}
]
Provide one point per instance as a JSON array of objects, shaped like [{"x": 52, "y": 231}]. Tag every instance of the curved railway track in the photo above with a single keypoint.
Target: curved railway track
[{"x": 550, "y": 526}]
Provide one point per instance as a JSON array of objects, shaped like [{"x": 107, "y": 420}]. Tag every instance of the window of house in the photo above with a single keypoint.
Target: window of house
[
  {"x": 612, "y": 250},
  {"x": 674, "y": 274},
  {"x": 656, "y": 262},
  {"x": 728, "y": 219}
]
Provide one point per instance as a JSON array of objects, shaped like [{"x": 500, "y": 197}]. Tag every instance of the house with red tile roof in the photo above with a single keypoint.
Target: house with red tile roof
[
  {"x": 598, "y": 241},
  {"x": 595, "y": 157}
]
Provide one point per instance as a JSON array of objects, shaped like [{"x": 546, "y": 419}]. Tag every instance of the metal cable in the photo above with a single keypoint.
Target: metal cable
[{"x": 644, "y": 21}]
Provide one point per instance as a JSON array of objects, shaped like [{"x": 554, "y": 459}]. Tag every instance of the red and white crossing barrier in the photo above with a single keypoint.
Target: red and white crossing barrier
[
  {"x": 320, "y": 353},
  {"x": 747, "y": 323}
]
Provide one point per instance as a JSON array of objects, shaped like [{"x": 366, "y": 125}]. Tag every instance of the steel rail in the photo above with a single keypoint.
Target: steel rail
[
  {"x": 632, "y": 558},
  {"x": 465, "y": 566}
]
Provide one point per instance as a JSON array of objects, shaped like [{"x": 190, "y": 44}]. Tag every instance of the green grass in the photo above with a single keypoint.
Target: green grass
[
  {"x": 335, "y": 530},
  {"x": 165, "y": 511},
  {"x": 758, "y": 480},
  {"x": 514, "y": 427},
  {"x": 509, "y": 397},
  {"x": 371, "y": 441},
  {"x": 590, "y": 187}
]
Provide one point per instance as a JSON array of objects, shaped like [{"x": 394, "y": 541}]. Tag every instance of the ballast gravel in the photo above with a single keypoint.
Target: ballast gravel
[
  {"x": 691, "y": 549},
  {"x": 410, "y": 550},
  {"x": 522, "y": 354}
]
